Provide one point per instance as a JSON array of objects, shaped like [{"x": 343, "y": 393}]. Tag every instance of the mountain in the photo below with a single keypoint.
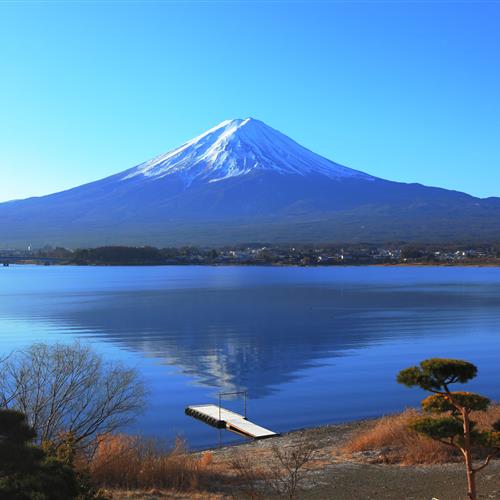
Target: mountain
[
  {"x": 241, "y": 182},
  {"x": 236, "y": 148}
]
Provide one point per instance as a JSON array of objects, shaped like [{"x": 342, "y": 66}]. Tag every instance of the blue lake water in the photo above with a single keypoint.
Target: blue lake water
[{"x": 310, "y": 345}]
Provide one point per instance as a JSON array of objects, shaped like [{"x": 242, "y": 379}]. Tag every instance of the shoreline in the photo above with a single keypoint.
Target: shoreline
[{"x": 232, "y": 264}]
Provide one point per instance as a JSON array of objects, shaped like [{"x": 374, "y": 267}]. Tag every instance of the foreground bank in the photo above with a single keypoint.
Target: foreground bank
[{"x": 332, "y": 472}]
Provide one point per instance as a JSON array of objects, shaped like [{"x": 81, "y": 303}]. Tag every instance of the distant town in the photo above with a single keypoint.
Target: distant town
[{"x": 260, "y": 254}]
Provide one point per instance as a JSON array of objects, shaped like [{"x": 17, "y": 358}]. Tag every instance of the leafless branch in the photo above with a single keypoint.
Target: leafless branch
[{"x": 70, "y": 388}]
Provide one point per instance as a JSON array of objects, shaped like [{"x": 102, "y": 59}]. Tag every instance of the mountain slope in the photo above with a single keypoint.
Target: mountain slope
[{"x": 239, "y": 182}]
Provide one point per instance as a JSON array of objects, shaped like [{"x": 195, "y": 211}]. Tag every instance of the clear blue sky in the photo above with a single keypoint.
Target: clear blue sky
[{"x": 408, "y": 91}]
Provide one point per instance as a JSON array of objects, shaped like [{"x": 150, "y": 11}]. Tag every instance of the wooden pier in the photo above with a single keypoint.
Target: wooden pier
[{"x": 225, "y": 419}]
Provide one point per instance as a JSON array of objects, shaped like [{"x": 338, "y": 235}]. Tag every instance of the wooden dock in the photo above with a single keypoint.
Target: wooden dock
[{"x": 226, "y": 419}]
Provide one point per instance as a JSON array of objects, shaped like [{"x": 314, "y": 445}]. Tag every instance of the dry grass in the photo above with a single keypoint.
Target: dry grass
[
  {"x": 389, "y": 440},
  {"x": 485, "y": 419},
  {"x": 130, "y": 467},
  {"x": 156, "y": 494},
  {"x": 131, "y": 462}
]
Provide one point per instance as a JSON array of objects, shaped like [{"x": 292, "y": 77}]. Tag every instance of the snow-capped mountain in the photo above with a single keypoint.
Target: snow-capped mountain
[
  {"x": 240, "y": 147},
  {"x": 242, "y": 182}
]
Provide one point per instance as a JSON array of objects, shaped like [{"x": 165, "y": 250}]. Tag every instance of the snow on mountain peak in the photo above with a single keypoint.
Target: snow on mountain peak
[{"x": 240, "y": 147}]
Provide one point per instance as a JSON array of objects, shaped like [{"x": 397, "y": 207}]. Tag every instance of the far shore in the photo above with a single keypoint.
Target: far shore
[
  {"x": 254, "y": 264},
  {"x": 262, "y": 254}
]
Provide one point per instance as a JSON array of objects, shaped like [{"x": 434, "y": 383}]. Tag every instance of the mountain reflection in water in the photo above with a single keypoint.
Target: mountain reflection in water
[{"x": 280, "y": 333}]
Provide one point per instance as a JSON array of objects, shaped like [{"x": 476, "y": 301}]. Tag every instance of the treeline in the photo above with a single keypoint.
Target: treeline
[{"x": 116, "y": 255}]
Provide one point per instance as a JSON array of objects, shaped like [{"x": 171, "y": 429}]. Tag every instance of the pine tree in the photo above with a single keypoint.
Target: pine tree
[
  {"x": 26, "y": 472},
  {"x": 453, "y": 424}
]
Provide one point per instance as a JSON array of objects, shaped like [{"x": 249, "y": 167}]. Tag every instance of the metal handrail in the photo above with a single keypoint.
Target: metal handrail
[{"x": 245, "y": 395}]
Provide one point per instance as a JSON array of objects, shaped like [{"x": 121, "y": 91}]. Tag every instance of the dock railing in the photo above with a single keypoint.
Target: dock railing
[{"x": 245, "y": 395}]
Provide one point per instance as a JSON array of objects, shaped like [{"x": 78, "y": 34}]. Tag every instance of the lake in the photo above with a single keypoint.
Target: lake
[{"x": 310, "y": 345}]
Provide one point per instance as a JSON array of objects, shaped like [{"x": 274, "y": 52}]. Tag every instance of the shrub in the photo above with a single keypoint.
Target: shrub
[
  {"x": 283, "y": 472},
  {"x": 134, "y": 462}
]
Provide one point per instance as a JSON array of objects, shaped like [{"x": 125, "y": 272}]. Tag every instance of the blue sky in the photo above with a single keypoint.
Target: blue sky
[{"x": 408, "y": 91}]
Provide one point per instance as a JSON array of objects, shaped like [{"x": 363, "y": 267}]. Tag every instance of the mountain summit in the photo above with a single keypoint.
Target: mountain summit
[
  {"x": 240, "y": 147},
  {"x": 240, "y": 182}
]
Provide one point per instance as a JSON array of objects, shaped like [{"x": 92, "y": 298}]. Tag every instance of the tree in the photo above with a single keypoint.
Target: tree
[
  {"x": 26, "y": 472},
  {"x": 69, "y": 390},
  {"x": 453, "y": 426},
  {"x": 289, "y": 468},
  {"x": 283, "y": 474}
]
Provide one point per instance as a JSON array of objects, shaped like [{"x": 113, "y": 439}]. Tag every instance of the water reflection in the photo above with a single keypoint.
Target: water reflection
[
  {"x": 257, "y": 338},
  {"x": 331, "y": 338}
]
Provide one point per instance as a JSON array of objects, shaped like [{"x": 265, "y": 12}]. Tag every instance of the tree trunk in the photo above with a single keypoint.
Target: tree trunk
[{"x": 471, "y": 476}]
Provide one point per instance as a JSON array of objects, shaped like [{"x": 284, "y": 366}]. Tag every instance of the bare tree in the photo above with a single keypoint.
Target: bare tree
[
  {"x": 4, "y": 400},
  {"x": 289, "y": 467},
  {"x": 282, "y": 472},
  {"x": 70, "y": 389},
  {"x": 248, "y": 477}
]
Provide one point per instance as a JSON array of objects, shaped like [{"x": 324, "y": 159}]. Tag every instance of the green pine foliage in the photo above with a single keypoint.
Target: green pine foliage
[
  {"x": 449, "y": 413},
  {"x": 27, "y": 472}
]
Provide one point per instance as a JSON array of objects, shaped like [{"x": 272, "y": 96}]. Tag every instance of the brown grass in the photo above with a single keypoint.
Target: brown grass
[
  {"x": 485, "y": 419},
  {"x": 156, "y": 494},
  {"x": 131, "y": 462},
  {"x": 388, "y": 440}
]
